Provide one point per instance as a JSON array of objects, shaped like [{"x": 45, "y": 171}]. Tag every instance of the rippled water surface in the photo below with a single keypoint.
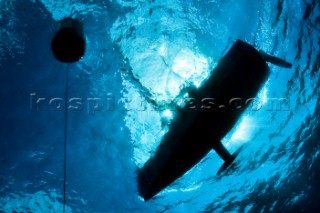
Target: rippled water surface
[{"x": 154, "y": 49}]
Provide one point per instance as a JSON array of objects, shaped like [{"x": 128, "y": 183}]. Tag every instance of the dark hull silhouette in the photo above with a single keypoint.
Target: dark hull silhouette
[{"x": 197, "y": 130}]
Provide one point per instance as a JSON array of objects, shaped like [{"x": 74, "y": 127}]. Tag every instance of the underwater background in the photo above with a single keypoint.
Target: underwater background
[{"x": 145, "y": 50}]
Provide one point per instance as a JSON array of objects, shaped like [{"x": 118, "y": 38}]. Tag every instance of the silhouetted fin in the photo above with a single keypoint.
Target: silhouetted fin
[
  {"x": 274, "y": 60},
  {"x": 226, "y": 156}
]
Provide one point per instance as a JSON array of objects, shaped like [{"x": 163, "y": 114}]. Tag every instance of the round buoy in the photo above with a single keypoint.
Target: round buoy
[{"x": 68, "y": 44}]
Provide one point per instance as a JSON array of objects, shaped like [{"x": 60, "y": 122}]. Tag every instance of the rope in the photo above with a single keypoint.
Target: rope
[{"x": 65, "y": 141}]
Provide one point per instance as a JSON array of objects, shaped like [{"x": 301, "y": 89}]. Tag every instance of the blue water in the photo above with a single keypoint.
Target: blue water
[{"x": 139, "y": 49}]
